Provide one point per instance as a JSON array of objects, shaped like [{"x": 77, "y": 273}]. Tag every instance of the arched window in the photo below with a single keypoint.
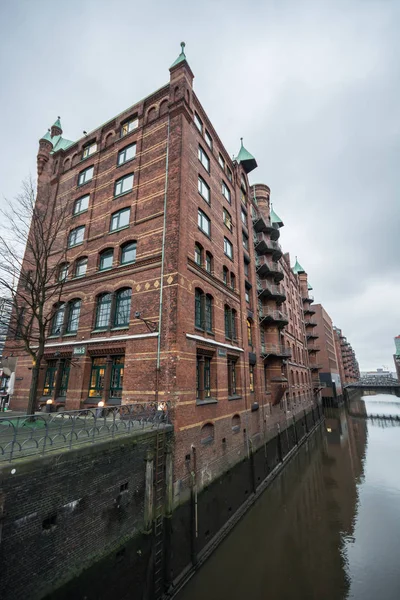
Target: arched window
[
  {"x": 63, "y": 272},
  {"x": 209, "y": 262},
  {"x": 235, "y": 423},
  {"x": 198, "y": 254},
  {"x": 233, "y": 281},
  {"x": 207, "y": 434},
  {"x": 122, "y": 307},
  {"x": 208, "y": 312},
  {"x": 81, "y": 266},
  {"x": 106, "y": 259},
  {"x": 128, "y": 253},
  {"x": 103, "y": 311},
  {"x": 198, "y": 320},
  {"x": 249, "y": 332},
  {"x": 230, "y": 323},
  {"x": 74, "y": 310},
  {"x": 203, "y": 310},
  {"x": 225, "y": 275},
  {"x": 58, "y": 319}
]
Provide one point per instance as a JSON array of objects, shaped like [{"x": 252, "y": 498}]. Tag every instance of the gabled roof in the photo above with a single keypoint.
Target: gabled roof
[
  {"x": 246, "y": 159},
  {"x": 60, "y": 143}
]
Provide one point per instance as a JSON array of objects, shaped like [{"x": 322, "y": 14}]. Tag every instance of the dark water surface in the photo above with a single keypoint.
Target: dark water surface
[{"x": 328, "y": 528}]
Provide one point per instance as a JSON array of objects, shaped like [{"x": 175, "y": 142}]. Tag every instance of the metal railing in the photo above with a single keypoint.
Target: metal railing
[
  {"x": 272, "y": 289},
  {"x": 309, "y": 298},
  {"x": 32, "y": 435},
  {"x": 275, "y": 315},
  {"x": 275, "y": 349},
  {"x": 310, "y": 323},
  {"x": 268, "y": 266},
  {"x": 313, "y": 347},
  {"x": 262, "y": 241}
]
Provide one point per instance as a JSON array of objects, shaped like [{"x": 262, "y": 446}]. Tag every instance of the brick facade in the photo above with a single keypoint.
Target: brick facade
[{"x": 206, "y": 330}]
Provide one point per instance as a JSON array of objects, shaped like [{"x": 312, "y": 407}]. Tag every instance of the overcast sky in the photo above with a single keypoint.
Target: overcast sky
[{"x": 312, "y": 86}]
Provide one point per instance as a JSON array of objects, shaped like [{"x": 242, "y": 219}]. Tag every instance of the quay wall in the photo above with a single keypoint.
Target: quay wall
[{"x": 78, "y": 524}]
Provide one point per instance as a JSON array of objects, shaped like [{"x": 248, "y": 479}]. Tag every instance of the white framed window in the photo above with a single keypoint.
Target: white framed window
[
  {"x": 229, "y": 173},
  {"x": 85, "y": 176},
  {"x": 81, "y": 267},
  {"x": 76, "y": 236},
  {"x": 203, "y": 158},
  {"x": 228, "y": 248},
  {"x": 204, "y": 189},
  {"x": 127, "y": 153},
  {"x": 204, "y": 222},
  {"x": 198, "y": 122},
  {"x": 221, "y": 161},
  {"x": 123, "y": 185},
  {"x": 208, "y": 139},
  {"x": 129, "y": 126},
  {"x": 245, "y": 241},
  {"x": 243, "y": 217},
  {"x": 120, "y": 219},
  {"x": 81, "y": 204},
  {"x": 226, "y": 192},
  {"x": 89, "y": 150}
]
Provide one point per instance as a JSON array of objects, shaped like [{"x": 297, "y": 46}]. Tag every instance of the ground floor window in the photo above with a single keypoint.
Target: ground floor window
[
  {"x": 203, "y": 377},
  {"x": 106, "y": 377},
  {"x": 117, "y": 376},
  {"x": 97, "y": 377},
  {"x": 65, "y": 368},
  {"x": 50, "y": 378}
]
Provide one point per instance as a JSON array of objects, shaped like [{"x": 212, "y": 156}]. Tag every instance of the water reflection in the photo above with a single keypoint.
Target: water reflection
[{"x": 326, "y": 529}]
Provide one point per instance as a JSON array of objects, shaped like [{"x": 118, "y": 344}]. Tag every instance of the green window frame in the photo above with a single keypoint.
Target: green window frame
[
  {"x": 128, "y": 253},
  {"x": 58, "y": 320},
  {"x": 122, "y": 307},
  {"x": 97, "y": 377},
  {"x": 120, "y": 219},
  {"x": 65, "y": 370},
  {"x": 103, "y": 311},
  {"x": 126, "y": 154},
  {"x": 117, "y": 376},
  {"x": 50, "y": 378},
  {"x": 74, "y": 311},
  {"x": 106, "y": 259}
]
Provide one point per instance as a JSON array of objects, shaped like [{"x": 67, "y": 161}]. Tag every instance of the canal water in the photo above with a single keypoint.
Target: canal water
[{"x": 327, "y": 528}]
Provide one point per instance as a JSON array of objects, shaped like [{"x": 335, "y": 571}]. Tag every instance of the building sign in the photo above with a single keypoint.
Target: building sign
[
  {"x": 221, "y": 352},
  {"x": 79, "y": 350}
]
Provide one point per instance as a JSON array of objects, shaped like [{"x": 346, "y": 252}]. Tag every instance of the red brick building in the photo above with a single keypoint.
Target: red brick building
[
  {"x": 175, "y": 286},
  {"x": 347, "y": 361}
]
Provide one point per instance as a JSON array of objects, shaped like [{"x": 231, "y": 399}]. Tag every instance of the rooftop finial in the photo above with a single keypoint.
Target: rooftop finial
[
  {"x": 183, "y": 47},
  {"x": 241, "y": 141},
  {"x": 181, "y": 57}
]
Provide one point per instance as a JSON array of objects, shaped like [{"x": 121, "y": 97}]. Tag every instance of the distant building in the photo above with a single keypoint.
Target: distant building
[
  {"x": 5, "y": 313},
  {"x": 346, "y": 357},
  {"x": 329, "y": 374},
  {"x": 396, "y": 356}
]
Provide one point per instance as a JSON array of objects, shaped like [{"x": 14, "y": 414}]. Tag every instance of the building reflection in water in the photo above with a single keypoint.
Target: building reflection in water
[{"x": 292, "y": 542}]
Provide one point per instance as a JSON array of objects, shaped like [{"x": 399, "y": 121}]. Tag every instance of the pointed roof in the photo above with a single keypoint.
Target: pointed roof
[
  {"x": 46, "y": 137},
  {"x": 275, "y": 220},
  {"x": 297, "y": 269},
  {"x": 57, "y": 123},
  {"x": 181, "y": 57},
  {"x": 309, "y": 287},
  {"x": 246, "y": 159}
]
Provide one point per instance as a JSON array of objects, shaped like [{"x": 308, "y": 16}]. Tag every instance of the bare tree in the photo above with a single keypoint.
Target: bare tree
[{"x": 32, "y": 251}]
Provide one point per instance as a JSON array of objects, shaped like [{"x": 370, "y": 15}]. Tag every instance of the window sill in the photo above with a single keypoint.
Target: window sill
[
  {"x": 204, "y": 331},
  {"x": 208, "y": 401},
  {"x": 235, "y": 397},
  {"x": 227, "y": 255},
  {"x": 78, "y": 277},
  {"x": 84, "y": 158},
  {"x": 72, "y": 334},
  {"x": 131, "y": 262},
  {"x": 119, "y": 328},
  {"x": 105, "y": 269},
  {"x": 75, "y": 245},
  {"x": 123, "y": 194},
  {"x": 81, "y": 185},
  {"x": 204, "y": 233},
  {"x": 126, "y": 163},
  {"x": 102, "y": 330},
  {"x": 54, "y": 336},
  {"x": 82, "y": 212},
  {"x": 119, "y": 229}
]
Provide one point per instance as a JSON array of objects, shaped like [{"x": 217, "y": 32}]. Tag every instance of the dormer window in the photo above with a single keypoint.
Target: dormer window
[
  {"x": 129, "y": 126},
  {"x": 89, "y": 150}
]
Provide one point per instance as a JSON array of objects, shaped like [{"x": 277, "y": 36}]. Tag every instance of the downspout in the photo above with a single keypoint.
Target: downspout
[{"x": 162, "y": 264}]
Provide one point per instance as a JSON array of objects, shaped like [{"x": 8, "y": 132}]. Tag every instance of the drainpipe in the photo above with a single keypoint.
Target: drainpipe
[{"x": 162, "y": 264}]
